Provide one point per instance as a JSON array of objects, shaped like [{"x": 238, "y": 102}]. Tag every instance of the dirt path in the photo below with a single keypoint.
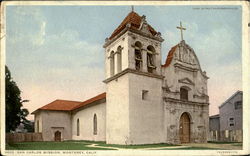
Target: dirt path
[
  {"x": 153, "y": 148},
  {"x": 108, "y": 147}
]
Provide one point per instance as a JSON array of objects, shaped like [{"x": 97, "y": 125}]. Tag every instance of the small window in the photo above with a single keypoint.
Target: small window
[
  {"x": 151, "y": 59},
  {"x": 37, "y": 125},
  {"x": 95, "y": 125},
  {"x": 231, "y": 122},
  {"x": 112, "y": 63},
  {"x": 144, "y": 94},
  {"x": 119, "y": 59},
  {"x": 238, "y": 105},
  {"x": 77, "y": 128},
  {"x": 183, "y": 93},
  {"x": 138, "y": 56}
]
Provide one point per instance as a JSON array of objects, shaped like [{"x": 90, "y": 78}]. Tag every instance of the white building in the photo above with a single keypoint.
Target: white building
[{"x": 145, "y": 102}]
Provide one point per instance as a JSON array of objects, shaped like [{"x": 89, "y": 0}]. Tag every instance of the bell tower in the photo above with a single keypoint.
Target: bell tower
[{"x": 134, "y": 107}]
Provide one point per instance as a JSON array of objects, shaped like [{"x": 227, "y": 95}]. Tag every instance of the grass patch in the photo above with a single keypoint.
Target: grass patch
[
  {"x": 237, "y": 144},
  {"x": 65, "y": 145},
  {"x": 137, "y": 146},
  {"x": 191, "y": 148},
  {"x": 76, "y": 145}
]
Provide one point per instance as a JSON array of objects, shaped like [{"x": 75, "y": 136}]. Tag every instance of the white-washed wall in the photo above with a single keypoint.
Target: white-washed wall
[{"x": 86, "y": 123}]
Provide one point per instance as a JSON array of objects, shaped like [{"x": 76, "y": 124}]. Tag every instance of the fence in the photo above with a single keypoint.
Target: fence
[
  {"x": 232, "y": 135},
  {"x": 23, "y": 137}
]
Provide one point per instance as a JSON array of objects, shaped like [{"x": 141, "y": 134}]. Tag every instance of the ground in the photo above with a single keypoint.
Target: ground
[{"x": 91, "y": 145}]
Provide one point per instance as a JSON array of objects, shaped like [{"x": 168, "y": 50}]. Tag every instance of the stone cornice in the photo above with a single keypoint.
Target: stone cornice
[
  {"x": 108, "y": 42},
  {"x": 185, "y": 102},
  {"x": 178, "y": 65},
  {"x": 128, "y": 70},
  {"x": 146, "y": 35}
]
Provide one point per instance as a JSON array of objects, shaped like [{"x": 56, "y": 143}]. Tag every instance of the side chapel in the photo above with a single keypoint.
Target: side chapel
[{"x": 145, "y": 101}]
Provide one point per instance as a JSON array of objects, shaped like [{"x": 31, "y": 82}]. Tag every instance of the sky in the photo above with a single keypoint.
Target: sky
[{"x": 55, "y": 52}]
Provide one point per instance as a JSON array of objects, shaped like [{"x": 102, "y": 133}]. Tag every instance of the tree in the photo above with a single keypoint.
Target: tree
[{"x": 14, "y": 114}]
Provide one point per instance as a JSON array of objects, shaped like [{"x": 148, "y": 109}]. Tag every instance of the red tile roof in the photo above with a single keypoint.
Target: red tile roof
[
  {"x": 170, "y": 56},
  {"x": 65, "y": 105},
  {"x": 135, "y": 20},
  {"x": 89, "y": 101}
]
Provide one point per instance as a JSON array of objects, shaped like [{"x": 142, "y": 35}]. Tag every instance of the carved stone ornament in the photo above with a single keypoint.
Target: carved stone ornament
[
  {"x": 172, "y": 126},
  {"x": 172, "y": 110},
  {"x": 186, "y": 81}
]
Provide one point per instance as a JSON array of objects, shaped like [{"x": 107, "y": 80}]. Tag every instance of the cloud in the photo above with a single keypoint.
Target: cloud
[
  {"x": 39, "y": 39},
  {"x": 25, "y": 26},
  {"x": 49, "y": 66}
]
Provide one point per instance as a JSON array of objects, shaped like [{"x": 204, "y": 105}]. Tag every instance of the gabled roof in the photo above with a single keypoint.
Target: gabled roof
[
  {"x": 89, "y": 101},
  {"x": 66, "y": 105},
  {"x": 236, "y": 93},
  {"x": 63, "y": 105},
  {"x": 135, "y": 20}
]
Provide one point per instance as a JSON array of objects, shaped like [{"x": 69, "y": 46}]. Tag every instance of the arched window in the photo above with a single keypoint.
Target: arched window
[
  {"x": 119, "y": 59},
  {"x": 95, "y": 125},
  {"x": 151, "y": 58},
  {"x": 77, "y": 128},
  {"x": 37, "y": 125},
  {"x": 138, "y": 55},
  {"x": 184, "y": 93},
  {"x": 112, "y": 62}
]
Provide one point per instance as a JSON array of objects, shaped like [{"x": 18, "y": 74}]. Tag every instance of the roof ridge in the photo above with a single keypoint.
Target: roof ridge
[
  {"x": 232, "y": 96},
  {"x": 134, "y": 19},
  {"x": 66, "y": 100},
  {"x": 90, "y": 100}
]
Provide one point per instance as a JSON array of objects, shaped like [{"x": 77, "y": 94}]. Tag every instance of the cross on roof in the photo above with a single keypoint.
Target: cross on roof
[
  {"x": 132, "y": 7},
  {"x": 181, "y": 28}
]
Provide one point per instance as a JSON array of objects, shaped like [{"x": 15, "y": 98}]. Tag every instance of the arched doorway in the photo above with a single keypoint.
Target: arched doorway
[
  {"x": 184, "y": 129},
  {"x": 57, "y": 136}
]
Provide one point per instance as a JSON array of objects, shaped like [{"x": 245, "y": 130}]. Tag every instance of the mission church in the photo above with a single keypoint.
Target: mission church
[{"x": 145, "y": 102}]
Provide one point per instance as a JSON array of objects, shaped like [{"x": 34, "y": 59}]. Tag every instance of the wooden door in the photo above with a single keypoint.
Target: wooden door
[
  {"x": 184, "y": 129},
  {"x": 57, "y": 136}
]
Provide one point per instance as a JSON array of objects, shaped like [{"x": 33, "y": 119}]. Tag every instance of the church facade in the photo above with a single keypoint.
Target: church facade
[{"x": 145, "y": 102}]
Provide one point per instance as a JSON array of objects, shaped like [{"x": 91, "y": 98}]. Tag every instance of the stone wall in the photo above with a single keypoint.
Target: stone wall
[{"x": 198, "y": 121}]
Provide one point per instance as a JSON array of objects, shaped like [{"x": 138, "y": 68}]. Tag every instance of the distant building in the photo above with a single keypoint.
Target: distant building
[
  {"x": 229, "y": 120},
  {"x": 21, "y": 129},
  {"x": 26, "y": 127},
  {"x": 214, "y": 127}
]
